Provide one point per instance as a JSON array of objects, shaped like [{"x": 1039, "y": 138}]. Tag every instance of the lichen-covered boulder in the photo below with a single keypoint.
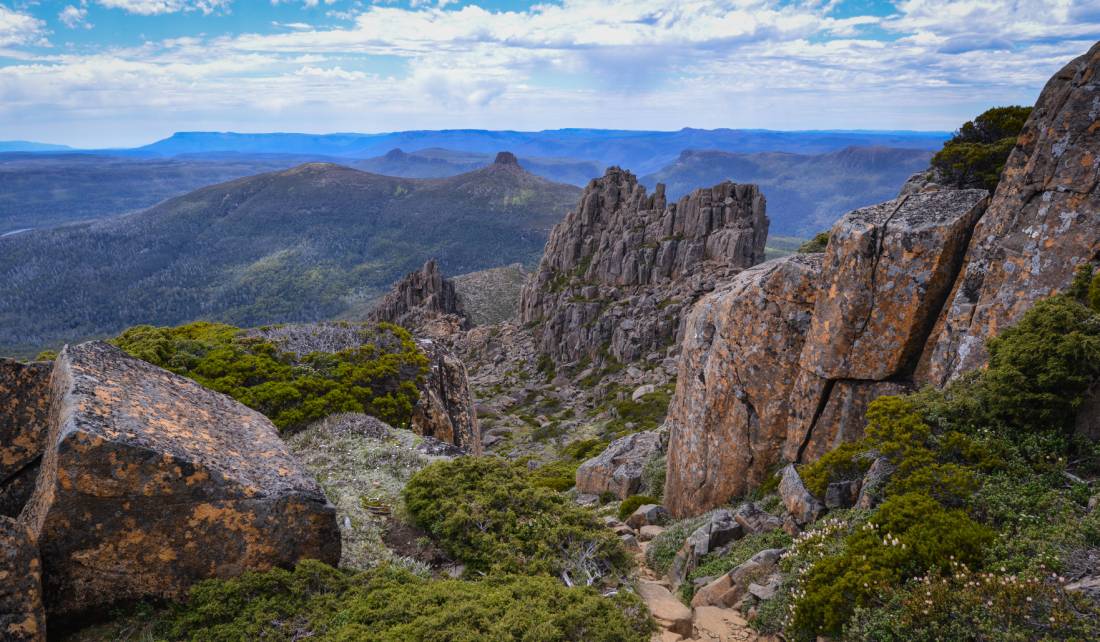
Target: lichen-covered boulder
[
  {"x": 887, "y": 269},
  {"x": 739, "y": 361},
  {"x": 801, "y": 505},
  {"x": 445, "y": 409},
  {"x": 618, "y": 469},
  {"x": 24, "y": 420},
  {"x": 1042, "y": 223},
  {"x": 22, "y": 617},
  {"x": 151, "y": 482}
]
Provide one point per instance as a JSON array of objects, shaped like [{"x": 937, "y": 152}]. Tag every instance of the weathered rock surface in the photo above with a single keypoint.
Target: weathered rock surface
[
  {"x": 873, "y": 486},
  {"x": 445, "y": 409},
  {"x": 150, "y": 482},
  {"x": 22, "y": 617},
  {"x": 419, "y": 297},
  {"x": 728, "y": 589},
  {"x": 728, "y": 418},
  {"x": 1041, "y": 224},
  {"x": 618, "y": 469},
  {"x": 24, "y": 421},
  {"x": 668, "y": 611},
  {"x": 804, "y": 507},
  {"x": 621, "y": 269},
  {"x": 754, "y": 520},
  {"x": 647, "y": 515},
  {"x": 887, "y": 270}
]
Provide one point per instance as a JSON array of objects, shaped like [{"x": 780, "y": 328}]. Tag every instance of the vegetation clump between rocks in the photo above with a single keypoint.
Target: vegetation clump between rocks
[
  {"x": 492, "y": 516},
  {"x": 293, "y": 374},
  {"x": 977, "y": 153},
  {"x": 390, "y": 604}
]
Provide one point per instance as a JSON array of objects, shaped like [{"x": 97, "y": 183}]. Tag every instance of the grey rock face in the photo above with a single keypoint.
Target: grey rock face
[
  {"x": 801, "y": 505},
  {"x": 22, "y": 617},
  {"x": 647, "y": 515},
  {"x": 618, "y": 469},
  {"x": 418, "y": 297},
  {"x": 621, "y": 269}
]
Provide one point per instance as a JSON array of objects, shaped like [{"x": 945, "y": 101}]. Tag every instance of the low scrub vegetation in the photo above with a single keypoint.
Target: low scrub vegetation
[
  {"x": 492, "y": 516},
  {"x": 293, "y": 374},
  {"x": 390, "y": 604},
  {"x": 976, "y": 155}
]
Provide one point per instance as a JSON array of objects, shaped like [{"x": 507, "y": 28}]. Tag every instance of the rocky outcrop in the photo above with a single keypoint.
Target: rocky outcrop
[
  {"x": 24, "y": 415},
  {"x": 728, "y": 418},
  {"x": 22, "y": 617},
  {"x": 150, "y": 482},
  {"x": 781, "y": 364},
  {"x": 1041, "y": 225},
  {"x": 445, "y": 410},
  {"x": 419, "y": 298},
  {"x": 800, "y": 504},
  {"x": 621, "y": 269},
  {"x": 618, "y": 469}
]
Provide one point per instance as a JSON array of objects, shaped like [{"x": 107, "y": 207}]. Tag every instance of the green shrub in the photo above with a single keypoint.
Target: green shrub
[
  {"x": 561, "y": 475},
  {"x": 631, "y": 504},
  {"x": 966, "y": 605},
  {"x": 908, "y": 535},
  {"x": 816, "y": 245},
  {"x": 976, "y": 155},
  {"x": 653, "y": 476},
  {"x": 845, "y": 462},
  {"x": 377, "y": 376},
  {"x": 388, "y": 604},
  {"x": 490, "y": 515},
  {"x": 646, "y": 413}
]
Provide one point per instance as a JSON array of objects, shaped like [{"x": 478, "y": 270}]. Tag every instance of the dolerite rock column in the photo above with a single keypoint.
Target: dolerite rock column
[
  {"x": 151, "y": 482},
  {"x": 445, "y": 409},
  {"x": 1043, "y": 222}
]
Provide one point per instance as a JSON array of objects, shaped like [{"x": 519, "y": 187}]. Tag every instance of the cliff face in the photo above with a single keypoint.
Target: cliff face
[
  {"x": 906, "y": 294},
  {"x": 1043, "y": 222},
  {"x": 620, "y": 270}
]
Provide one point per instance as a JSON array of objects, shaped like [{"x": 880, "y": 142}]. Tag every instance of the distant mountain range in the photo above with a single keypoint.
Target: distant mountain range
[
  {"x": 47, "y": 189},
  {"x": 301, "y": 244},
  {"x": 805, "y": 193},
  {"x": 28, "y": 146},
  {"x": 640, "y": 151}
]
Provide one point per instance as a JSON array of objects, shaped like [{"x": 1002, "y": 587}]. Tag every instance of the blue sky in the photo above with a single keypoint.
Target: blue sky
[{"x": 125, "y": 72}]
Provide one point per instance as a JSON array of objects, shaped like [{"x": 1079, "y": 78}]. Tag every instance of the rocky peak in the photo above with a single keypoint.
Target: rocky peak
[
  {"x": 396, "y": 154},
  {"x": 507, "y": 159},
  {"x": 619, "y": 271},
  {"x": 421, "y": 296}
]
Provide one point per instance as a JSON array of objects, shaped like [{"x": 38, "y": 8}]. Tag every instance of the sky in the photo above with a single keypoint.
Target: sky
[{"x": 107, "y": 73}]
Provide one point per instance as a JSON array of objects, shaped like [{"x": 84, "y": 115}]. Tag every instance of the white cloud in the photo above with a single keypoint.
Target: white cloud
[
  {"x": 74, "y": 17},
  {"x": 158, "y": 7},
  {"x": 19, "y": 28},
  {"x": 610, "y": 63}
]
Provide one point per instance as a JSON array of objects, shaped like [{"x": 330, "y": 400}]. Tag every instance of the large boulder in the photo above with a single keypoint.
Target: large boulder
[
  {"x": 22, "y": 617},
  {"x": 150, "y": 482},
  {"x": 1041, "y": 224},
  {"x": 618, "y": 469},
  {"x": 445, "y": 410},
  {"x": 24, "y": 420},
  {"x": 801, "y": 505},
  {"x": 728, "y": 418}
]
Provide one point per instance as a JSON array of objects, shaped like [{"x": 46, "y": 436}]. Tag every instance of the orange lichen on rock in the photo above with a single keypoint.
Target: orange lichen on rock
[{"x": 151, "y": 482}]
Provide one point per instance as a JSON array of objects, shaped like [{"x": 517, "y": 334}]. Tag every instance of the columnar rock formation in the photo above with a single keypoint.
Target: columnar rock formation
[
  {"x": 150, "y": 482},
  {"x": 621, "y": 269},
  {"x": 1044, "y": 221},
  {"x": 419, "y": 297},
  {"x": 445, "y": 410},
  {"x": 781, "y": 364}
]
